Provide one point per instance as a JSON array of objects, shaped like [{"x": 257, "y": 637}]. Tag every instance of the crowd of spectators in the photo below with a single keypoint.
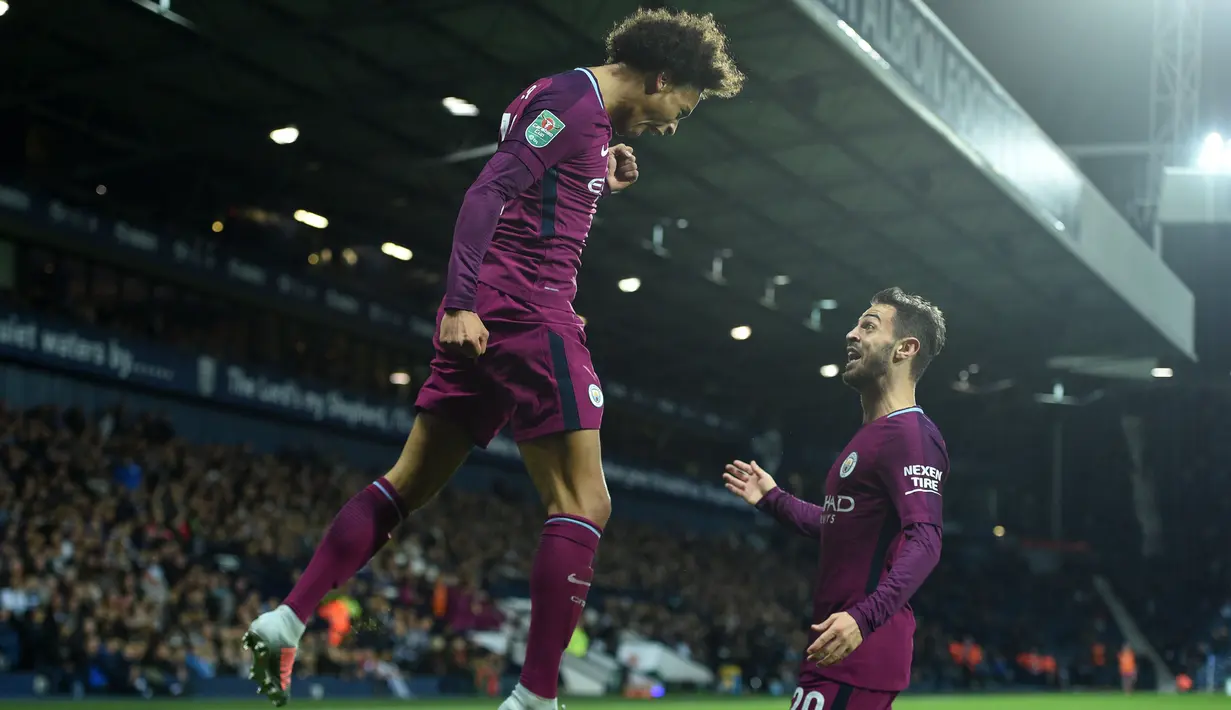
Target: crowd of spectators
[{"x": 131, "y": 561}]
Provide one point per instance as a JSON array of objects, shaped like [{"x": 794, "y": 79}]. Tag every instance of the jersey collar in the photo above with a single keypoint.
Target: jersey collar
[
  {"x": 904, "y": 411},
  {"x": 593, "y": 82}
]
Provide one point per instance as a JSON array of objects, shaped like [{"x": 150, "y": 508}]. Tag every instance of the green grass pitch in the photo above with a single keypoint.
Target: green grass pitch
[{"x": 1142, "y": 701}]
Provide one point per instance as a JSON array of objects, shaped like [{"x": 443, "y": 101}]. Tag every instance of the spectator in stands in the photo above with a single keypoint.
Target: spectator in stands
[
  {"x": 968, "y": 657},
  {"x": 1128, "y": 668}
]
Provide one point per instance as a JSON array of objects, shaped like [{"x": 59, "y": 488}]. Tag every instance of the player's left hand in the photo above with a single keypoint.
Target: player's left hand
[
  {"x": 621, "y": 167},
  {"x": 840, "y": 636}
]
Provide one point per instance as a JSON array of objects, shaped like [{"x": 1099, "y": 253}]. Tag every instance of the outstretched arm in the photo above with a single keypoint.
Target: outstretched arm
[
  {"x": 750, "y": 482},
  {"x": 797, "y": 515}
]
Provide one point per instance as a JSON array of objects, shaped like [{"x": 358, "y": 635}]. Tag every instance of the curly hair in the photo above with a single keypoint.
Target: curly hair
[
  {"x": 915, "y": 318},
  {"x": 690, "y": 49}
]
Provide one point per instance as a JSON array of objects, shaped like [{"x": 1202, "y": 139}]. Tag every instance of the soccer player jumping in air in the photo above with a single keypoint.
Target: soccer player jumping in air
[
  {"x": 509, "y": 348},
  {"x": 879, "y": 525}
]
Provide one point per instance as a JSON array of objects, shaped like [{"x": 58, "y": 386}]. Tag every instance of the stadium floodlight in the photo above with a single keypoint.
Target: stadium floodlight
[
  {"x": 1162, "y": 372},
  {"x": 399, "y": 378},
  {"x": 1215, "y": 153},
  {"x": 630, "y": 284},
  {"x": 397, "y": 251},
  {"x": 828, "y": 371},
  {"x": 285, "y": 135},
  {"x": 741, "y": 332},
  {"x": 828, "y": 304},
  {"x": 459, "y": 107},
  {"x": 311, "y": 219},
  {"x": 4, "y": 7}
]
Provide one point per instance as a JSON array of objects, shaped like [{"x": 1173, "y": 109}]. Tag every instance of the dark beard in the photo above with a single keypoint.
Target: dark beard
[{"x": 872, "y": 367}]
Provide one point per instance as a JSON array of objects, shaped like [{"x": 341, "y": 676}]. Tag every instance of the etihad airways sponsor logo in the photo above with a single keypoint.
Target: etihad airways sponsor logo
[{"x": 834, "y": 506}]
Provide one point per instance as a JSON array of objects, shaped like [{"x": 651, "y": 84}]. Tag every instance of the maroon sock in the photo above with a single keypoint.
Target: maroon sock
[
  {"x": 359, "y": 530},
  {"x": 559, "y": 583}
]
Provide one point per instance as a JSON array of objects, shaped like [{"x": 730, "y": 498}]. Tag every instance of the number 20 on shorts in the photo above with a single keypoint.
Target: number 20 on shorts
[{"x": 810, "y": 701}]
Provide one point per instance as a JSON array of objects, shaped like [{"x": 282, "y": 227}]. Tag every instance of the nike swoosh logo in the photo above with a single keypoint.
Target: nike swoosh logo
[
  {"x": 605, "y": 149},
  {"x": 573, "y": 578}
]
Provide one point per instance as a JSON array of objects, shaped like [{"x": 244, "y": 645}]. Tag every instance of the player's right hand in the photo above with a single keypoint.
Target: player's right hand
[
  {"x": 462, "y": 332},
  {"x": 621, "y": 167},
  {"x": 748, "y": 481}
]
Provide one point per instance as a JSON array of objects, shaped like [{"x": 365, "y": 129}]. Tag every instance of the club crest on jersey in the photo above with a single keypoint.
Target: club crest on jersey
[
  {"x": 596, "y": 396},
  {"x": 849, "y": 464},
  {"x": 544, "y": 129}
]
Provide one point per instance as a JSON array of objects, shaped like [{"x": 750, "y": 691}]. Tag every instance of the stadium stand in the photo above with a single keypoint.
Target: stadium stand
[
  {"x": 128, "y": 302},
  {"x": 133, "y": 559},
  {"x": 1178, "y": 562}
]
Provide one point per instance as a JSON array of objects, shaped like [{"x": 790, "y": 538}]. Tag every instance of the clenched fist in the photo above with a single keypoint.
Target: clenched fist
[{"x": 463, "y": 332}]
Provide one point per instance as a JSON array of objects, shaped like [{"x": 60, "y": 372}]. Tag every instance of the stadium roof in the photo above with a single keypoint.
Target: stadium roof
[
  {"x": 816, "y": 181},
  {"x": 1089, "y": 89},
  {"x": 1092, "y": 93}
]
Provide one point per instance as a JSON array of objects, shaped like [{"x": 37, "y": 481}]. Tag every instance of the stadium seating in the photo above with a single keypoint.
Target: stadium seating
[
  {"x": 133, "y": 559},
  {"x": 131, "y": 555}
]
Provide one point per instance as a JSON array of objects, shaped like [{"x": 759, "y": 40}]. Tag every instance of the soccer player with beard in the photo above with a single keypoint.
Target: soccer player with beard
[
  {"x": 879, "y": 525},
  {"x": 510, "y": 350}
]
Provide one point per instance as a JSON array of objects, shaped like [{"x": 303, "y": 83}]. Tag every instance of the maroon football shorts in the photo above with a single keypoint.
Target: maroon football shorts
[{"x": 535, "y": 376}]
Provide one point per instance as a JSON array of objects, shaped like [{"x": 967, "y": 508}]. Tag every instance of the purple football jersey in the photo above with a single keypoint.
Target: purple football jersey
[
  {"x": 559, "y": 129},
  {"x": 891, "y": 474}
]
